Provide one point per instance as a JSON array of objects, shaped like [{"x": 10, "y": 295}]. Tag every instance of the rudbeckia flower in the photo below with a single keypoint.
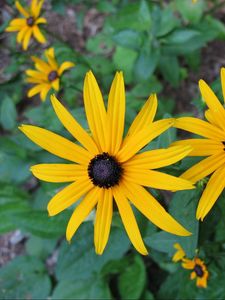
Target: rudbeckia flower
[
  {"x": 179, "y": 254},
  {"x": 200, "y": 271},
  {"x": 28, "y": 26},
  {"x": 46, "y": 75},
  {"x": 212, "y": 146},
  {"x": 105, "y": 166}
]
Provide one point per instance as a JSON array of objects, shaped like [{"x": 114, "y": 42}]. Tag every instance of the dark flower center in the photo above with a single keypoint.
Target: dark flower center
[
  {"x": 104, "y": 170},
  {"x": 52, "y": 75},
  {"x": 198, "y": 270},
  {"x": 30, "y": 21}
]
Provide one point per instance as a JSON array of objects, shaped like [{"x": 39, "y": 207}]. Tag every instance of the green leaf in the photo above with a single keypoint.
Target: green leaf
[
  {"x": 146, "y": 63},
  {"x": 183, "y": 209},
  {"x": 91, "y": 288},
  {"x": 8, "y": 114},
  {"x": 181, "y": 36},
  {"x": 24, "y": 278},
  {"x": 124, "y": 59},
  {"x": 170, "y": 69},
  {"x": 128, "y": 38},
  {"x": 164, "y": 21},
  {"x": 133, "y": 16},
  {"x": 12, "y": 202},
  {"x": 132, "y": 280},
  {"x": 79, "y": 260},
  {"x": 39, "y": 224},
  {"x": 190, "y": 11}
]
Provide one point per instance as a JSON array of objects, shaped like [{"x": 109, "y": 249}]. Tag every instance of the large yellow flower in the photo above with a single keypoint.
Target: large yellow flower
[
  {"x": 46, "y": 75},
  {"x": 29, "y": 24},
  {"x": 107, "y": 167},
  {"x": 212, "y": 146},
  {"x": 199, "y": 272}
]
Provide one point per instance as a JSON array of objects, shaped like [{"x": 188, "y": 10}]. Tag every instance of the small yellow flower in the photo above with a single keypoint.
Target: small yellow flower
[
  {"x": 194, "y": 1},
  {"x": 106, "y": 166},
  {"x": 199, "y": 271},
  {"x": 29, "y": 24},
  {"x": 212, "y": 145},
  {"x": 179, "y": 254},
  {"x": 47, "y": 74}
]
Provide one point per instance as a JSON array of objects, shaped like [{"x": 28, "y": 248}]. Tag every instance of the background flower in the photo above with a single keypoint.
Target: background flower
[
  {"x": 47, "y": 74},
  {"x": 28, "y": 26}
]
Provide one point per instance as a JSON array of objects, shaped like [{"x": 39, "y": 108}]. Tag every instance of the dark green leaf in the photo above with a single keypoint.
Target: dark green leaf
[{"x": 132, "y": 280}]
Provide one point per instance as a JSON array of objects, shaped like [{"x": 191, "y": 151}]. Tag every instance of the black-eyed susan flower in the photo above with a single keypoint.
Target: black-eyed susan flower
[
  {"x": 105, "y": 166},
  {"x": 200, "y": 272},
  {"x": 47, "y": 74},
  {"x": 179, "y": 254},
  {"x": 212, "y": 145},
  {"x": 28, "y": 25}
]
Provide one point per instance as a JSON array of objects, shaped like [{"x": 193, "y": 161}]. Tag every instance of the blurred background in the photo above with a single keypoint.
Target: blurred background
[{"x": 162, "y": 47}]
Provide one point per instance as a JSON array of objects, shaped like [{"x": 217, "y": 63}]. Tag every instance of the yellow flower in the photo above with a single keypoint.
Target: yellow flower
[
  {"x": 199, "y": 271},
  {"x": 46, "y": 75},
  {"x": 179, "y": 254},
  {"x": 212, "y": 146},
  {"x": 29, "y": 24},
  {"x": 105, "y": 166}
]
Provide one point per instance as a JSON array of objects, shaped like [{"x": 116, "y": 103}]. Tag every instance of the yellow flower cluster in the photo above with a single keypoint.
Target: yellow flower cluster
[
  {"x": 198, "y": 267},
  {"x": 47, "y": 74}
]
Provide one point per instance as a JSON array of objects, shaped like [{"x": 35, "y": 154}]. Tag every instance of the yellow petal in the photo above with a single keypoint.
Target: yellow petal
[
  {"x": 116, "y": 113},
  {"x": 36, "y": 6},
  {"x": 26, "y": 38},
  {"x": 55, "y": 84},
  {"x": 95, "y": 112},
  {"x": 35, "y": 90},
  {"x": 12, "y": 28},
  {"x": 200, "y": 127},
  {"x": 41, "y": 65},
  {"x": 50, "y": 55},
  {"x": 103, "y": 220},
  {"x": 22, "y": 10},
  {"x": 145, "y": 116},
  {"x": 204, "y": 167},
  {"x": 58, "y": 172},
  {"x": 212, "y": 102},
  {"x": 179, "y": 255},
  {"x": 38, "y": 35},
  {"x": 211, "y": 193},
  {"x": 129, "y": 220},
  {"x": 142, "y": 138},
  {"x": 40, "y": 21},
  {"x": 222, "y": 74},
  {"x": 201, "y": 147},
  {"x": 56, "y": 144},
  {"x": 149, "y": 207},
  {"x": 36, "y": 74},
  {"x": 155, "y": 179},
  {"x": 33, "y": 80},
  {"x": 64, "y": 66},
  {"x": 18, "y": 22},
  {"x": 33, "y": 6},
  {"x": 43, "y": 94},
  {"x": 81, "y": 212},
  {"x": 210, "y": 117},
  {"x": 68, "y": 196},
  {"x": 74, "y": 127},
  {"x": 21, "y": 34},
  {"x": 159, "y": 158},
  {"x": 188, "y": 264}
]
